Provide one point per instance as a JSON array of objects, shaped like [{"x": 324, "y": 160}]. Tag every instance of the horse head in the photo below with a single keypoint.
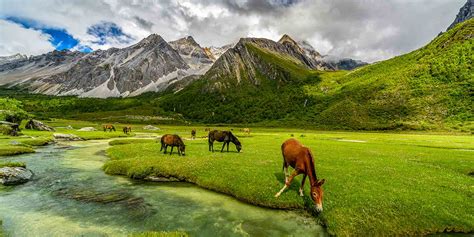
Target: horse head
[
  {"x": 317, "y": 194},
  {"x": 238, "y": 145},
  {"x": 182, "y": 148}
]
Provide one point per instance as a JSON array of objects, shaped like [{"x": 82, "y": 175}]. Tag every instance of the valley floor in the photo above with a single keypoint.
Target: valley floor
[{"x": 378, "y": 183}]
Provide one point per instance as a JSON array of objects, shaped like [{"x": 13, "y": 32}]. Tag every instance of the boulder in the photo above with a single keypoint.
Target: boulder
[
  {"x": 150, "y": 127},
  {"x": 38, "y": 125},
  {"x": 87, "y": 129},
  {"x": 66, "y": 137},
  {"x": 10, "y": 129},
  {"x": 15, "y": 175}
]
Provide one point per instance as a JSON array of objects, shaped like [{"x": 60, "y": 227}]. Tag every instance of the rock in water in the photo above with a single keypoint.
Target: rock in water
[
  {"x": 66, "y": 137},
  {"x": 150, "y": 127},
  {"x": 38, "y": 125},
  {"x": 87, "y": 129},
  {"x": 15, "y": 175}
]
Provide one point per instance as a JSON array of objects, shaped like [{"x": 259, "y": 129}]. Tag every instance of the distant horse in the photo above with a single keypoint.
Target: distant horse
[
  {"x": 193, "y": 134},
  {"x": 172, "y": 140},
  {"x": 223, "y": 136},
  {"x": 246, "y": 130},
  {"x": 207, "y": 130},
  {"x": 127, "y": 129},
  {"x": 110, "y": 127},
  {"x": 300, "y": 158}
]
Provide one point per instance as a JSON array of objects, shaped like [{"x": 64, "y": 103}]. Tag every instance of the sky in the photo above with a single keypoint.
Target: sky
[{"x": 368, "y": 30}]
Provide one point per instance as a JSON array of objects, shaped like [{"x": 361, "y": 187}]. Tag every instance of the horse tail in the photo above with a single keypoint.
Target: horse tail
[{"x": 162, "y": 143}]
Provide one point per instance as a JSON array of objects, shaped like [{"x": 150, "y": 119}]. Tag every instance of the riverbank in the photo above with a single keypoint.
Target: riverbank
[
  {"x": 78, "y": 199},
  {"x": 385, "y": 184},
  {"x": 31, "y": 139}
]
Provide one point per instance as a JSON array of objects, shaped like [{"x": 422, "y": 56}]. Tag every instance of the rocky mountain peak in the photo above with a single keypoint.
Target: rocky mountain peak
[
  {"x": 465, "y": 13},
  {"x": 151, "y": 39},
  {"x": 290, "y": 43},
  {"x": 286, "y": 39}
]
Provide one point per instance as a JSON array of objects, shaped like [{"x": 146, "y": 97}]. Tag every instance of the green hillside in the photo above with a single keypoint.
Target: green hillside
[{"x": 430, "y": 88}]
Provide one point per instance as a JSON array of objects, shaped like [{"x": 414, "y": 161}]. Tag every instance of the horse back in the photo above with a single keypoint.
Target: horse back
[{"x": 294, "y": 153}]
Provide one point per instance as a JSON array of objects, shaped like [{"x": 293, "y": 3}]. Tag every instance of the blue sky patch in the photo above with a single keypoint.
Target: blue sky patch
[
  {"x": 109, "y": 31},
  {"x": 60, "y": 38}
]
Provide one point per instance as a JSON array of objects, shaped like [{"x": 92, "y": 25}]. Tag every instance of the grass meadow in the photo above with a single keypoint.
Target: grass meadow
[{"x": 380, "y": 183}]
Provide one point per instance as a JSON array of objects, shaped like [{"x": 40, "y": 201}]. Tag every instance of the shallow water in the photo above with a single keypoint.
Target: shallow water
[{"x": 71, "y": 196}]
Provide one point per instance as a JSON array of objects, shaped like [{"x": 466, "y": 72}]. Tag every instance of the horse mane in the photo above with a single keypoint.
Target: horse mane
[
  {"x": 233, "y": 137},
  {"x": 311, "y": 163},
  {"x": 179, "y": 139}
]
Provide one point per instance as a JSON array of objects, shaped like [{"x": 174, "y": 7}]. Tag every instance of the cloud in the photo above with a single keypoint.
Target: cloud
[
  {"x": 16, "y": 39},
  {"x": 106, "y": 32},
  {"x": 370, "y": 30},
  {"x": 59, "y": 38}
]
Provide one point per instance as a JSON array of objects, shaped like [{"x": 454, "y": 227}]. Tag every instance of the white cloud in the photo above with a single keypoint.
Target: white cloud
[
  {"x": 16, "y": 39},
  {"x": 370, "y": 30}
]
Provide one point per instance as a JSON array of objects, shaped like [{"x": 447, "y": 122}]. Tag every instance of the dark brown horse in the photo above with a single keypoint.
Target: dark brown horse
[
  {"x": 193, "y": 134},
  {"x": 127, "y": 129},
  {"x": 172, "y": 140},
  {"x": 301, "y": 159},
  {"x": 110, "y": 127},
  {"x": 223, "y": 136}
]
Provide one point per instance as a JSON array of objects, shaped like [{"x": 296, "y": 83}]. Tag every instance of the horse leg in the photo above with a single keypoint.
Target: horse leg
[
  {"x": 228, "y": 146},
  {"x": 302, "y": 185},
  {"x": 171, "y": 152},
  {"x": 166, "y": 147},
  {"x": 285, "y": 170},
  {"x": 222, "y": 150},
  {"x": 287, "y": 184}
]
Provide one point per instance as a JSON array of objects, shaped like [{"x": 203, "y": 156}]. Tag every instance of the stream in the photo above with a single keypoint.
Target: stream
[{"x": 71, "y": 196}]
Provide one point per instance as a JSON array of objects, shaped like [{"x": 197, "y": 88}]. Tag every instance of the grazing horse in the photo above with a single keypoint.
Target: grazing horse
[
  {"x": 223, "y": 136},
  {"x": 193, "y": 134},
  {"x": 246, "y": 130},
  {"x": 172, "y": 140},
  {"x": 110, "y": 127},
  {"x": 300, "y": 158},
  {"x": 207, "y": 130},
  {"x": 127, "y": 129}
]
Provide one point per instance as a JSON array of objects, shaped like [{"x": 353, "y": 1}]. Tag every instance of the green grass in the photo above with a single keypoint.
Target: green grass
[
  {"x": 12, "y": 164},
  {"x": 15, "y": 150},
  {"x": 390, "y": 184},
  {"x": 160, "y": 234},
  {"x": 131, "y": 141}
]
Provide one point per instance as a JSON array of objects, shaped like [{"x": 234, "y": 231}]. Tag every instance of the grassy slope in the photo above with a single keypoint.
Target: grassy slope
[
  {"x": 429, "y": 88},
  {"x": 245, "y": 102},
  {"x": 391, "y": 184}
]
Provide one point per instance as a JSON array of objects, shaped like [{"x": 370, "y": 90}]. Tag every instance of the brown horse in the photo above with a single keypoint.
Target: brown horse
[
  {"x": 207, "y": 130},
  {"x": 110, "y": 127},
  {"x": 223, "y": 136},
  {"x": 127, "y": 129},
  {"x": 300, "y": 158},
  {"x": 172, "y": 140},
  {"x": 193, "y": 134}
]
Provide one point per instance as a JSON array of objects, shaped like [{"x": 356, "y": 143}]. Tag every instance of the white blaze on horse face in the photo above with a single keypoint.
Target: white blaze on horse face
[{"x": 319, "y": 207}]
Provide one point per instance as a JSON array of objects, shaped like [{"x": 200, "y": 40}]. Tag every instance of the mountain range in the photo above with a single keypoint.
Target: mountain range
[{"x": 151, "y": 65}]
